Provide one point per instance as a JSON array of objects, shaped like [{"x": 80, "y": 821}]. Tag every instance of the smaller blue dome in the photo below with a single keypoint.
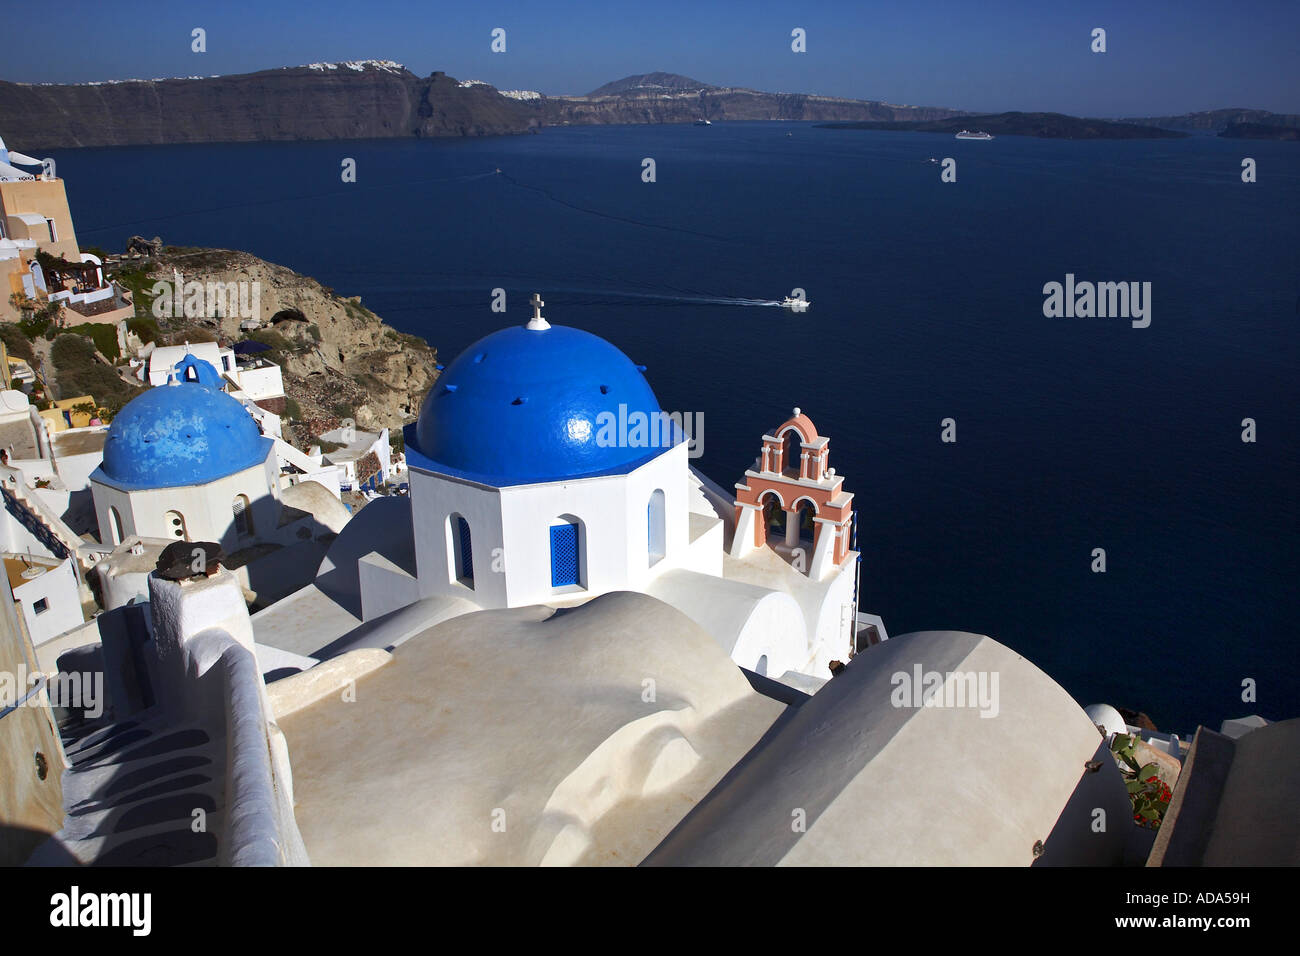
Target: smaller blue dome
[
  {"x": 181, "y": 434},
  {"x": 194, "y": 369}
]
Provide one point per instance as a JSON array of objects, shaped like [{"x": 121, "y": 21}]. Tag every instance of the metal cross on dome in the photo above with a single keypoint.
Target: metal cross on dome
[{"x": 537, "y": 322}]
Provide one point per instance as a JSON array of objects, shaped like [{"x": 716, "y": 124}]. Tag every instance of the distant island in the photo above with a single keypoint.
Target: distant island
[
  {"x": 1216, "y": 121},
  {"x": 1042, "y": 125},
  {"x": 1262, "y": 131}
]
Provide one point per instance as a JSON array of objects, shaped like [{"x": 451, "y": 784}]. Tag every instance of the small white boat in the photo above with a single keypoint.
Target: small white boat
[
  {"x": 703, "y": 122},
  {"x": 967, "y": 134},
  {"x": 795, "y": 305}
]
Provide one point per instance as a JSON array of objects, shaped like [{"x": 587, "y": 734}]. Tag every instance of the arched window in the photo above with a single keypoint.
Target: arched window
[
  {"x": 243, "y": 516},
  {"x": 462, "y": 551},
  {"x": 793, "y": 452},
  {"x": 115, "y": 524},
  {"x": 806, "y": 511},
  {"x": 656, "y": 530},
  {"x": 773, "y": 517},
  {"x": 175, "y": 522},
  {"x": 567, "y": 552}
]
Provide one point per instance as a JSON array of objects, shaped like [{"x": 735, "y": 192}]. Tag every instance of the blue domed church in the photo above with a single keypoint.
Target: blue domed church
[
  {"x": 543, "y": 473},
  {"x": 185, "y": 461},
  {"x": 542, "y": 466}
]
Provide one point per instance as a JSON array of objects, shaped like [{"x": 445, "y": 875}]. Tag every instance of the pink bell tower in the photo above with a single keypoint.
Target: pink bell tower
[{"x": 792, "y": 476}]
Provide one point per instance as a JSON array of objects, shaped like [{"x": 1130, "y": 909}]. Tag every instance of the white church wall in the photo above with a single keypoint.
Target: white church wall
[
  {"x": 750, "y": 622},
  {"x": 511, "y": 537},
  {"x": 384, "y": 586},
  {"x": 110, "y": 501},
  {"x": 433, "y": 500},
  {"x": 207, "y": 509},
  {"x": 774, "y": 630},
  {"x": 666, "y": 473},
  {"x": 704, "y": 553},
  {"x": 529, "y": 511},
  {"x": 832, "y": 630}
]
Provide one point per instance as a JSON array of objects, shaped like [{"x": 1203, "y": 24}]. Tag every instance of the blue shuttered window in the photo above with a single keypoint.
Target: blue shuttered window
[
  {"x": 466, "y": 569},
  {"x": 564, "y": 555}
]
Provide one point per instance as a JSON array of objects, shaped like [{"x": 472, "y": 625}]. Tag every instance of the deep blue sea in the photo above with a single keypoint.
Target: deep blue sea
[{"x": 1072, "y": 433}]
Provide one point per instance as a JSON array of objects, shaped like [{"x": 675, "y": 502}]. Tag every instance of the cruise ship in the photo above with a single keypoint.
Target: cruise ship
[{"x": 967, "y": 134}]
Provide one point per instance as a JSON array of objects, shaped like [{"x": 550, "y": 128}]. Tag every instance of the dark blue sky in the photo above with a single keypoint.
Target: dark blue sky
[{"x": 1162, "y": 57}]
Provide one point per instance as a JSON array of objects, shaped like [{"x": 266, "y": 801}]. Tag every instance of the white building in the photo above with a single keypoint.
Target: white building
[
  {"x": 258, "y": 381},
  {"x": 46, "y": 592},
  {"x": 365, "y": 459},
  {"x": 161, "y": 360}
]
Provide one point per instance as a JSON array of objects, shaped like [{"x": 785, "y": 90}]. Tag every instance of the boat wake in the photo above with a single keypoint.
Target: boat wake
[{"x": 678, "y": 299}]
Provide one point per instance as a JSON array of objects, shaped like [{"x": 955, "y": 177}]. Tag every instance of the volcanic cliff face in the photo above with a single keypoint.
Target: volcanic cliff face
[
  {"x": 366, "y": 99},
  {"x": 671, "y": 98},
  {"x": 380, "y": 99}
]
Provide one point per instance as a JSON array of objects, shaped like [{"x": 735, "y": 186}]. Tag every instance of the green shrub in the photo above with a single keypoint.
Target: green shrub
[
  {"x": 292, "y": 410},
  {"x": 104, "y": 336},
  {"x": 34, "y": 325},
  {"x": 80, "y": 373},
  {"x": 145, "y": 327},
  {"x": 140, "y": 284},
  {"x": 16, "y": 343}
]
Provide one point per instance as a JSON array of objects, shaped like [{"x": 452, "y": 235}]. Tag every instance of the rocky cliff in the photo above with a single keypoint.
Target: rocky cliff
[
  {"x": 369, "y": 99},
  {"x": 338, "y": 359},
  {"x": 671, "y": 98},
  {"x": 379, "y": 99}
]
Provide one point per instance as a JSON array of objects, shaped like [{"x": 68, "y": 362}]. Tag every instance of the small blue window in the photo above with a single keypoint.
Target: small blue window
[
  {"x": 464, "y": 552},
  {"x": 564, "y": 555}
]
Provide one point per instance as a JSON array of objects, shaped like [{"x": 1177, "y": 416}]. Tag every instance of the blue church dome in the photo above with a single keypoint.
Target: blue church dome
[
  {"x": 527, "y": 405},
  {"x": 180, "y": 434}
]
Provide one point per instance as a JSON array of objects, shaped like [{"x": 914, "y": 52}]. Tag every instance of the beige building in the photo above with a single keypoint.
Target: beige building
[
  {"x": 37, "y": 210},
  {"x": 35, "y": 218}
]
